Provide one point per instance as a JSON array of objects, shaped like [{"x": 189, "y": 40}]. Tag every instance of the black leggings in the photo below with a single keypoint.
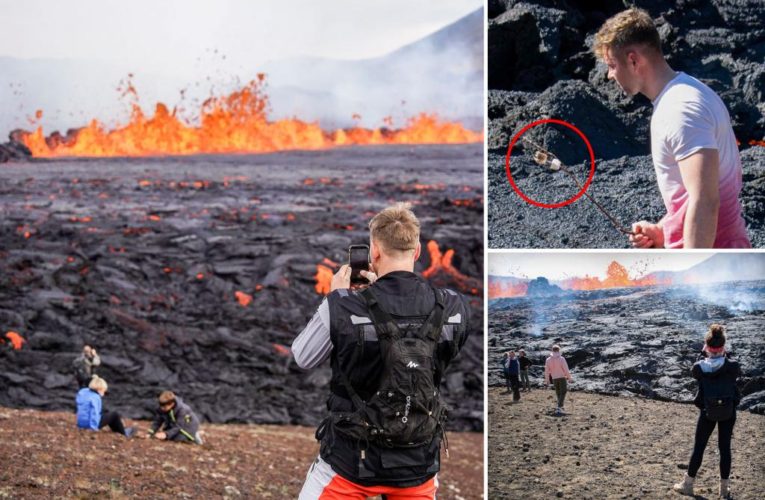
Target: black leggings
[
  {"x": 114, "y": 421},
  {"x": 704, "y": 429}
]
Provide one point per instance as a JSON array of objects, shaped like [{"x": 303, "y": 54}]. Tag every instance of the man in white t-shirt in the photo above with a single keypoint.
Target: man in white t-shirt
[{"x": 694, "y": 151}]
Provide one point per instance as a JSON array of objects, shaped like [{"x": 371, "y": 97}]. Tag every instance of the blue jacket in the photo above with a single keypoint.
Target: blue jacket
[
  {"x": 88, "y": 409},
  {"x": 511, "y": 366}
]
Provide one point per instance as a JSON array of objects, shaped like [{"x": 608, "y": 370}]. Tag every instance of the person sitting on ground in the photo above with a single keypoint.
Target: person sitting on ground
[
  {"x": 557, "y": 374},
  {"x": 717, "y": 398},
  {"x": 83, "y": 365},
  {"x": 90, "y": 411},
  {"x": 174, "y": 420},
  {"x": 525, "y": 364},
  {"x": 512, "y": 369}
]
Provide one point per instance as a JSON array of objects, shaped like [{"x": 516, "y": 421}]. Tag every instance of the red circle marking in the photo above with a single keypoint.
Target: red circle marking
[{"x": 518, "y": 190}]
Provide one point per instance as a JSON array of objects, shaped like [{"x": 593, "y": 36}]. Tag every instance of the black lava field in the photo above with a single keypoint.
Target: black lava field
[
  {"x": 636, "y": 341},
  {"x": 196, "y": 273}
]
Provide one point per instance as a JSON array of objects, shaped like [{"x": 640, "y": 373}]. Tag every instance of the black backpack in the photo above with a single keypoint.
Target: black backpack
[
  {"x": 719, "y": 396},
  {"x": 406, "y": 410}
]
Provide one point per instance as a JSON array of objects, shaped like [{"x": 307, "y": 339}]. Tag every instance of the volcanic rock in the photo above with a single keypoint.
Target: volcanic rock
[
  {"x": 195, "y": 274},
  {"x": 541, "y": 287},
  {"x": 647, "y": 352}
]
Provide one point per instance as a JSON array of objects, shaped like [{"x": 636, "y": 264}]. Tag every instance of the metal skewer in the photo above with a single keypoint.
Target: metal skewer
[{"x": 542, "y": 156}]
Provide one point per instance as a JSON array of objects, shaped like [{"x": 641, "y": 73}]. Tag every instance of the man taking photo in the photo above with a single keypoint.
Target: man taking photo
[{"x": 389, "y": 345}]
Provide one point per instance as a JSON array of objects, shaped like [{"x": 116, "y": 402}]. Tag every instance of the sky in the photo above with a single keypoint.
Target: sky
[
  {"x": 557, "y": 266},
  {"x": 171, "y": 35},
  {"x": 70, "y": 57}
]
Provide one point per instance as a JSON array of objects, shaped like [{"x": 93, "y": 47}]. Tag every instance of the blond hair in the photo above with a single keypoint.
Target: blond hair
[
  {"x": 97, "y": 383},
  {"x": 396, "y": 228},
  {"x": 630, "y": 27}
]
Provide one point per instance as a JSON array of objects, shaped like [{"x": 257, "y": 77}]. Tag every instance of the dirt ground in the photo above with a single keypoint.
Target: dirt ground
[
  {"x": 610, "y": 447},
  {"x": 43, "y": 455}
]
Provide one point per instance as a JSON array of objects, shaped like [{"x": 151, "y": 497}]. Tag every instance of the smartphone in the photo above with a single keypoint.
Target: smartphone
[{"x": 358, "y": 259}]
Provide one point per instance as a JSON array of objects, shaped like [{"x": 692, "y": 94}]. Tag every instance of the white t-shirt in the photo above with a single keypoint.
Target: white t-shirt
[{"x": 689, "y": 116}]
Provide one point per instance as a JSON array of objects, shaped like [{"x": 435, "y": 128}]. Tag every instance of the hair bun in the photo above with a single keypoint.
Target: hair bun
[{"x": 716, "y": 336}]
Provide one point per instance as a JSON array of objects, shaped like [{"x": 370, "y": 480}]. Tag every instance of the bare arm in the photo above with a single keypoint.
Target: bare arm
[{"x": 700, "y": 173}]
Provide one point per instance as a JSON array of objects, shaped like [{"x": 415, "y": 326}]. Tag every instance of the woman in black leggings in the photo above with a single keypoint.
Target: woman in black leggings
[{"x": 717, "y": 399}]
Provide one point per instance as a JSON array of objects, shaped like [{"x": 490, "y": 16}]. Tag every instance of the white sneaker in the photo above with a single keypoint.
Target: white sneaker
[
  {"x": 724, "y": 488},
  {"x": 685, "y": 487}
]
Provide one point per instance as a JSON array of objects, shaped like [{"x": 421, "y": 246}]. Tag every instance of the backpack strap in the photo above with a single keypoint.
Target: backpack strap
[{"x": 384, "y": 324}]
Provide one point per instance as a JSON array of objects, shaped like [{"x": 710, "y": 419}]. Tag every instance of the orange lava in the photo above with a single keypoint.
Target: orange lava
[
  {"x": 616, "y": 277},
  {"x": 442, "y": 263},
  {"x": 244, "y": 299},
  {"x": 282, "y": 350},
  {"x": 502, "y": 290},
  {"x": 236, "y": 123},
  {"x": 16, "y": 340},
  {"x": 324, "y": 272}
]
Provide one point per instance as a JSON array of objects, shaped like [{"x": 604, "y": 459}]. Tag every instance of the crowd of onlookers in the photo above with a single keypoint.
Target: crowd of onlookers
[{"x": 515, "y": 367}]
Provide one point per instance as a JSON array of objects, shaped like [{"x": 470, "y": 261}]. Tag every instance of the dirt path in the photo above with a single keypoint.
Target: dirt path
[
  {"x": 610, "y": 447},
  {"x": 43, "y": 455}
]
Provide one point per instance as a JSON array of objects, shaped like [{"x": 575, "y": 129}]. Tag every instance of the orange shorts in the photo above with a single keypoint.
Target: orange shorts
[{"x": 323, "y": 483}]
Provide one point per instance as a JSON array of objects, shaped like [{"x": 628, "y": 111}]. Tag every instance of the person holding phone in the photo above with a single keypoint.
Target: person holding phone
[{"x": 388, "y": 343}]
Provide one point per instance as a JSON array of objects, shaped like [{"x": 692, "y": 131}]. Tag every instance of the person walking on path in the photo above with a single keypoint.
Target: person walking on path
[
  {"x": 525, "y": 364},
  {"x": 512, "y": 369},
  {"x": 716, "y": 398},
  {"x": 557, "y": 374}
]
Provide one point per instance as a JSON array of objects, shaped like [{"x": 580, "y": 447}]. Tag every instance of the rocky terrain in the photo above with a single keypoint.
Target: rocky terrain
[
  {"x": 610, "y": 448},
  {"x": 636, "y": 341},
  {"x": 45, "y": 456},
  {"x": 541, "y": 66},
  {"x": 196, "y": 273}
]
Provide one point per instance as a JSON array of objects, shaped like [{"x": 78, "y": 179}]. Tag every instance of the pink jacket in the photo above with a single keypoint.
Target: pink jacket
[{"x": 556, "y": 367}]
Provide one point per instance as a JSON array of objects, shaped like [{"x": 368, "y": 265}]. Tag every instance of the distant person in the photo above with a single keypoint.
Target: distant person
[
  {"x": 90, "y": 414},
  {"x": 525, "y": 363},
  {"x": 512, "y": 369},
  {"x": 83, "y": 365},
  {"x": 717, "y": 398},
  {"x": 175, "y": 421},
  {"x": 694, "y": 150},
  {"x": 388, "y": 345},
  {"x": 557, "y": 374}
]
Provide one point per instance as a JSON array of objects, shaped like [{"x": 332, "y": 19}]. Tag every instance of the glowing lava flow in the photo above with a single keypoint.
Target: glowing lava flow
[
  {"x": 236, "y": 123},
  {"x": 503, "y": 290},
  {"x": 16, "y": 340},
  {"x": 441, "y": 263},
  {"x": 440, "y": 269},
  {"x": 324, "y": 272},
  {"x": 616, "y": 277}
]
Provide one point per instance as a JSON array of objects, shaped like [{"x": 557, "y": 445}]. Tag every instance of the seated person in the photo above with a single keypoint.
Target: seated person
[
  {"x": 174, "y": 421},
  {"x": 90, "y": 414}
]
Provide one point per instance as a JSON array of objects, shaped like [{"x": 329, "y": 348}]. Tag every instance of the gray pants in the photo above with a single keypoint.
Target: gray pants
[
  {"x": 561, "y": 386},
  {"x": 525, "y": 379}
]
